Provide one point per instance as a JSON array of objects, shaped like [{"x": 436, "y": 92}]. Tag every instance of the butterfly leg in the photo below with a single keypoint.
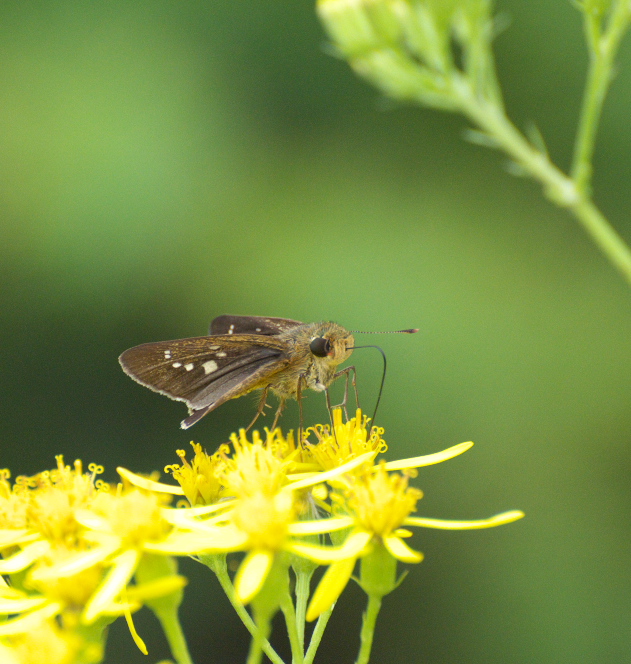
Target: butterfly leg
[
  {"x": 281, "y": 407},
  {"x": 260, "y": 410},
  {"x": 299, "y": 399},
  {"x": 329, "y": 407},
  {"x": 346, "y": 373}
]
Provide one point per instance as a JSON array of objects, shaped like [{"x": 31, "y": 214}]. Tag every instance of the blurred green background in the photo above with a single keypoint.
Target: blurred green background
[{"x": 162, "y": 163}]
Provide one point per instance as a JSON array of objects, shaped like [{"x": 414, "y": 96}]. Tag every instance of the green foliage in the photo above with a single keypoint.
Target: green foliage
[{"x": 439, "y": 54}]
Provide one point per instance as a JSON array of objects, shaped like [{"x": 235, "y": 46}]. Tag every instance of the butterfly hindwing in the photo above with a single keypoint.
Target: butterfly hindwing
[{"x": 264, "y": 325}]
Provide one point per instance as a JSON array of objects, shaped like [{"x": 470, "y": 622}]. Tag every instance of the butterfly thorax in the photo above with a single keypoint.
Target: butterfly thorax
[{"x": 315, "y": 372}]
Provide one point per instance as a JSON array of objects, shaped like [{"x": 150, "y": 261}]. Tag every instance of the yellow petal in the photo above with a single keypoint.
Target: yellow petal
[
  {"x": 356, "y": 543},
  {"x": 174, "y": 514},
  {"x": 252, "y": 574},
  {"x": 330, "y": 587},
  {"x": 75, "y": 564},
  {"x": 323, "y": 555},
  {"x": 116, "y": 608},
  {"x": 353, "y": 547},
  {"x": 10, "y": 537},
  {"x": 400, "y": 550},
  {"x": 225, "y": 539},
  {"x": 316, "y": 478},
  {"x": 147, "y": 484},
  {"x": 320, "y": 526},
  {"x": 20, "y": 605},
  {"x": 140, "y": 644},
  {"x": 429, "y": 459},
  {"x": 30, "y": 621},
  {"x": 92, "y": 520},
  {"x": 21, "y": 560},
  {"x": 443, "y": 524},
  {"x": 158, "y": 588},
  {"x": 114, "y": 583},
  {"x": 402, "y": 532}
]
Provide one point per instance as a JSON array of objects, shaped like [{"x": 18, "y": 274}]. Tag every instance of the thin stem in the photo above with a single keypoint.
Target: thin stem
[
  {"x": 558, "y": 186},
  {"x": 287, "y": 607},
  {"x": 303, "y": 587},
  {"x": 368, "y": 628},
  {"x": 498, "y": 127},
  {"x": 175, "y": 636},
  {"x": 604, "y": 235},
  {"x": 264, "y": 628},
  {"x": 224, "y": 579},
  {"x": 603, "y": 48},
  {"x": 317, "y": 635}
]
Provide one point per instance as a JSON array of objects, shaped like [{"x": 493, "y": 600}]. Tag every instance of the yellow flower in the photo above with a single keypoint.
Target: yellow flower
[
  {"x": 48, "y": 643},
  {"x": 269, "y": 485},
  {"x": 199, "y": 479},
  {"x": 79, "y": 544},
  {"x": 345, "y": 441},
  {"x": 377, "y": 506},
  {"x": 261, "y": 516}
]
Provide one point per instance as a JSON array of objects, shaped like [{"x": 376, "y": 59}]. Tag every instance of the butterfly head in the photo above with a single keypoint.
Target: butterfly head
[{"x": 332, "y": 344}]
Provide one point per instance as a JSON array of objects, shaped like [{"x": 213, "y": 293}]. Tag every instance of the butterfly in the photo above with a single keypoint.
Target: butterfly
[{"x": 242, "y": 354}]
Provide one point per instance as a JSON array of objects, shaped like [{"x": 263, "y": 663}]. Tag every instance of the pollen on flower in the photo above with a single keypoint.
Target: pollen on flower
[
  {"x": 199, "y": 479},
  {"x": 14, "y": 508},
  {"x": 46, "y": 502},
  {"x": 76, "y": 542},
  {"x": 255, "y": 466},
  {"x": 134, "y": 517},
  {"x": 381, "y": 501},
  {"x": 346, "y": 441},
  {"x": 265, "y": 518}
]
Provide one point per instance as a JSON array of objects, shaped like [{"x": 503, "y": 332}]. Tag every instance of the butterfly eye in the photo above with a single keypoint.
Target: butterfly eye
[{"x": 320, "y": 347}]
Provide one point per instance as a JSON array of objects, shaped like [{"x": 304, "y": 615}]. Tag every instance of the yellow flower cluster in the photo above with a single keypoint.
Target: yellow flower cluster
[
  {"x": 71, "y": 544},
  {"x": 271, "y": 497}
]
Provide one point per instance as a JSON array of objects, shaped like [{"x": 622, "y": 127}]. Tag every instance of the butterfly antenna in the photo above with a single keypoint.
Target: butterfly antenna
[
  {"x": 383, "y": 380},
  {"x": 412, "y": 330}
]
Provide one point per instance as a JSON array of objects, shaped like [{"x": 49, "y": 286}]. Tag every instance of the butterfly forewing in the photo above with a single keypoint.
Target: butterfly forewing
[
  {"x": 204, "y": 371},
  {"x": 264, "y": 325}
]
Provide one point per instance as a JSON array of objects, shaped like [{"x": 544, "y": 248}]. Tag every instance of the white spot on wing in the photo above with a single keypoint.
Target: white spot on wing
[
  {"x": 258, "y": 329},
  {"x": 176, "y": 365},
  {"x": 220, "y": 354},
  {"x": 189, "y": 366},
  {"x": 167, "y": 354},
  {"x": 231, "y": 330},
  {"x": 210, "y": 366},
  {"x": 214, "y": 347}
]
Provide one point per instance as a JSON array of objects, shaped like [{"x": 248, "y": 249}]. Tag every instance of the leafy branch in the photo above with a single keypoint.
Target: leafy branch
[{"x": 438, "y": 53}]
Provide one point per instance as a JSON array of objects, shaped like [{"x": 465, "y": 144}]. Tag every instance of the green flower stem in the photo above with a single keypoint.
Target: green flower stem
[
  {"x": 368, "y": 628},
  {"x": 166, "y": 607},
  {"x": 218, "y": 566},
  {"x": 317, "y": 635},
  {"x": 603, "y": 48},
  {"x": 303, "y": 587},
  {"x": 604, "y": 235},
  {"x": 264, "y": 628},
  {"x": 170, "y": 622},
  {"x": 559, "y": 187},
  {"x": 287, "y": 607}
]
